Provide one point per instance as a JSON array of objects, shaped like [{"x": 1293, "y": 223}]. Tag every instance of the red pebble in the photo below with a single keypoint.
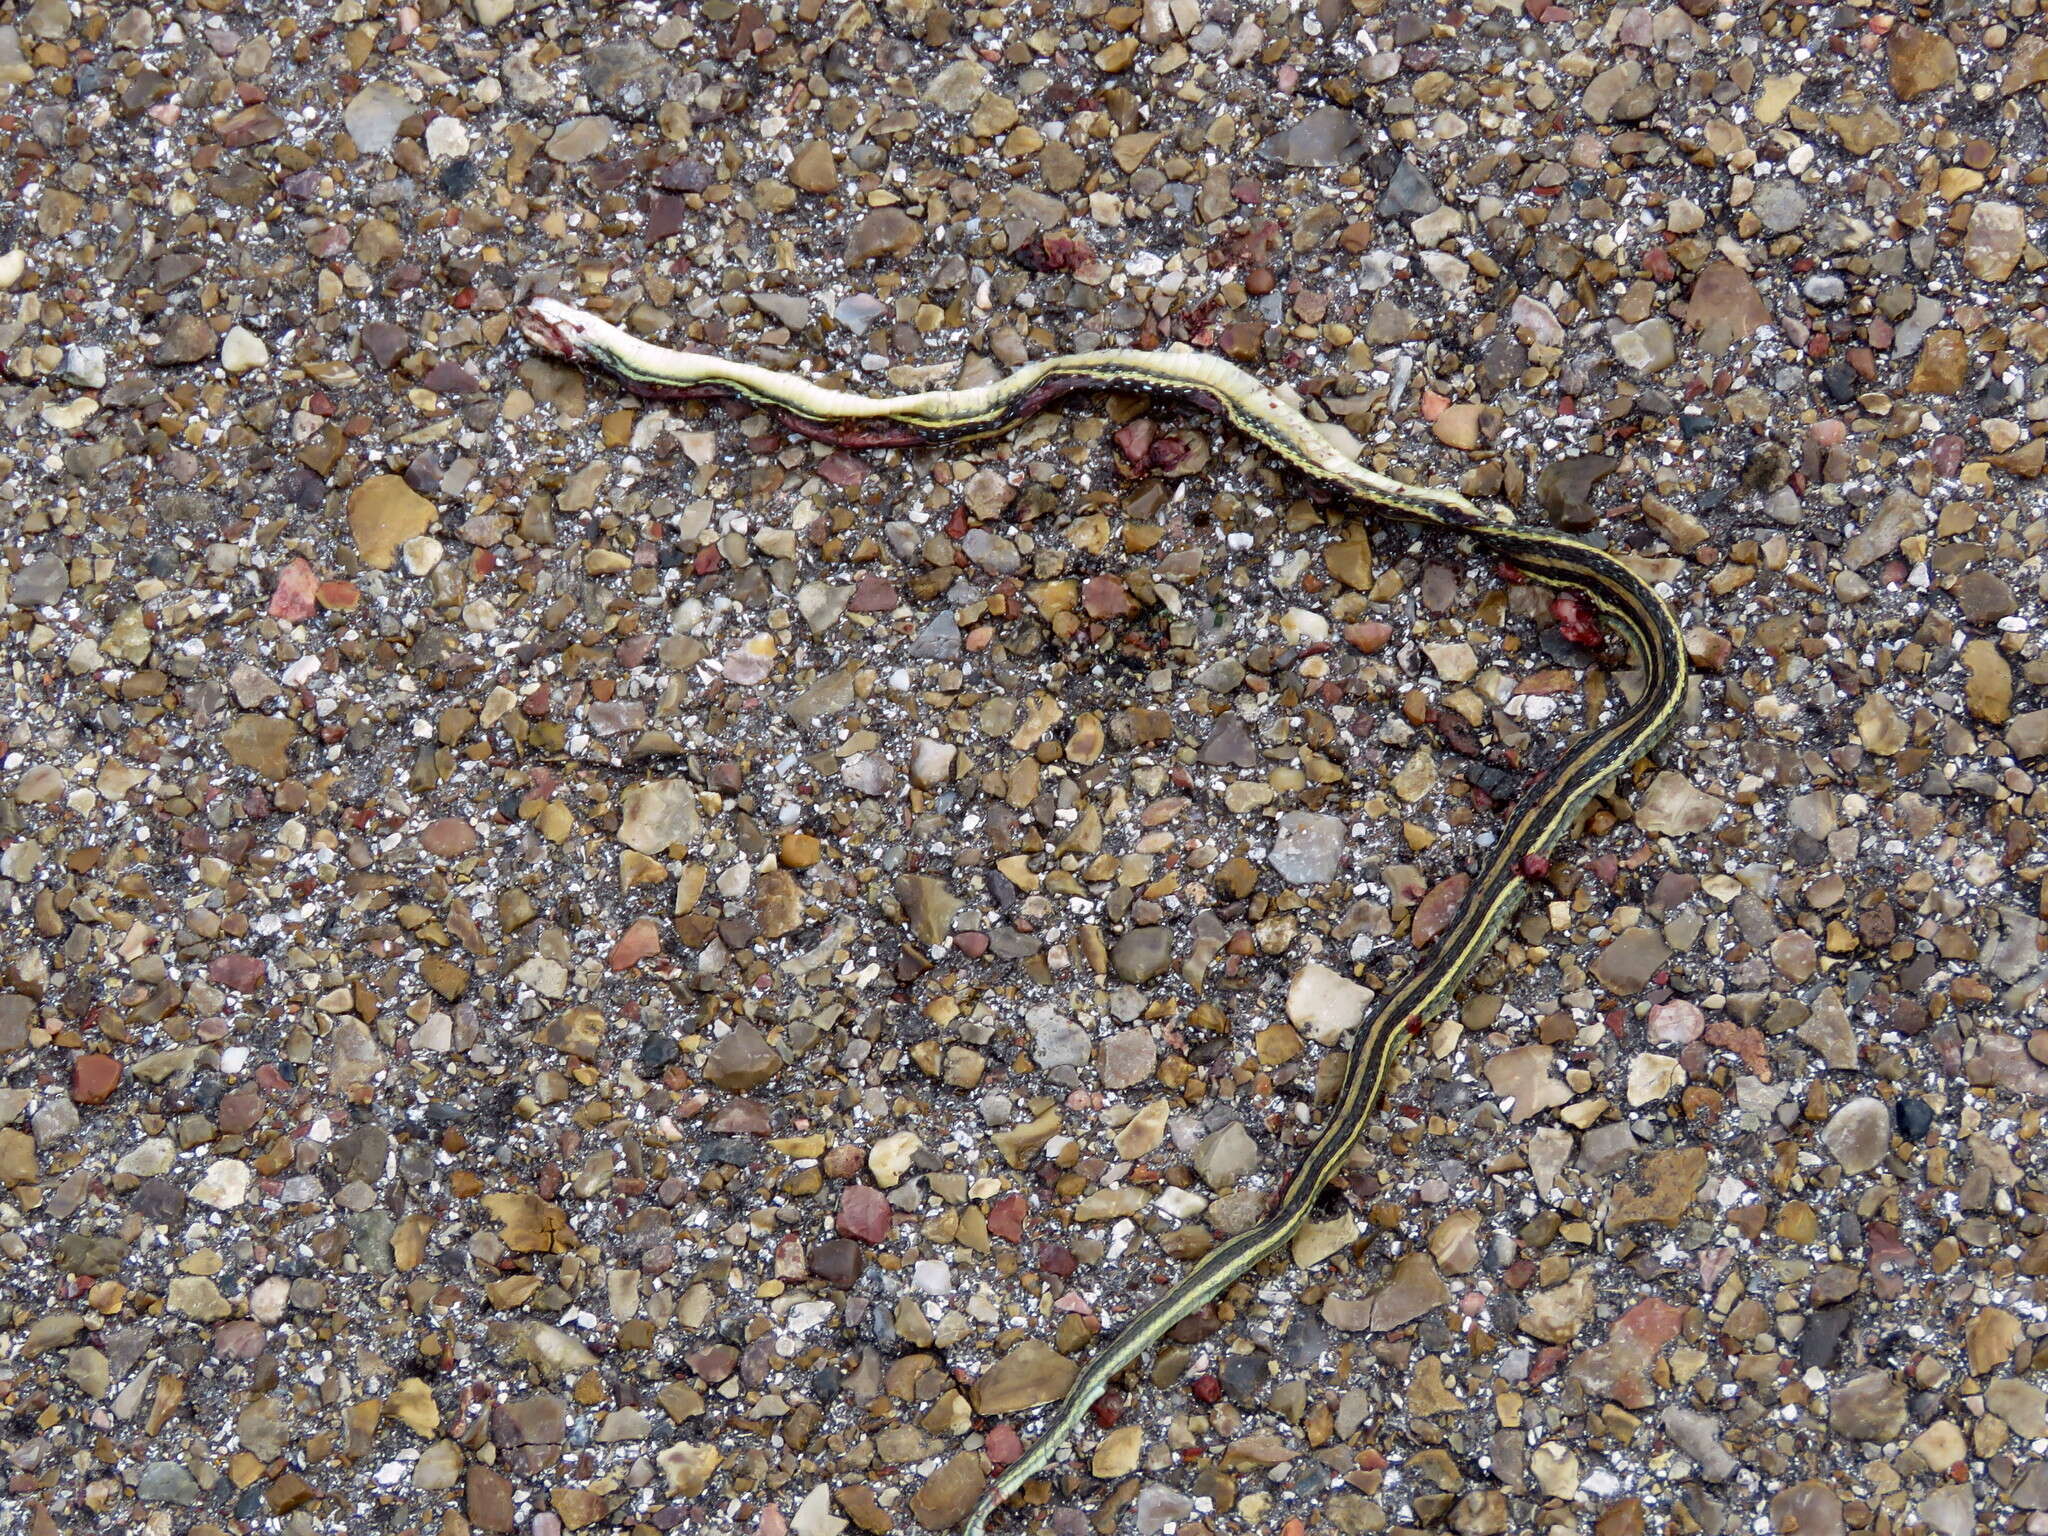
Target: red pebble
[
  {"x": 1006, "y": 1217},
  {"x": 1003, "y": 1445},
  {"x": 1207, "y": 1389},
  {"x": 94, "y": 1079},
  {"x": 864, "y": 1214}
]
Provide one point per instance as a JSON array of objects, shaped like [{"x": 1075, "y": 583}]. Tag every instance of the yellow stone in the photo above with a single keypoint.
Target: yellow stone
[
  {"x": 383, "y": 512},
  {"x": 412, "y": 1403},
  {"x": 1320, "y": 1240},
  {"x": 1117, "y": 1456},
  {"x": 1143, "y": 1132}
]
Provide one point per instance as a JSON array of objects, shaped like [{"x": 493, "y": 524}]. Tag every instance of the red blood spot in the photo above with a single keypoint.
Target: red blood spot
[
  {"x": 1415, "y": 1024},
  {"x": 1532, "y": 866},
  {"x": 1577, "y": 619},
  {"x": 1509, "y": 574},
  {"x": 1108, "y": 1408}
]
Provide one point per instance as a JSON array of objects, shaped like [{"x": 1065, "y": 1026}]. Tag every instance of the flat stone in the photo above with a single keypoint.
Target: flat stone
[
  {"x": 1435, "y": 912},
  {"x": 1409, "y": 193},
  {"x": 1522, "y": 1079},
  {"x": 743, "y": 1060},
  {"x": 1413, "y": 1289},
  {"x": 2026, "y": 66},
  {"x": 629, "y": 77},
  {"x": 1699, "y": 1436},
  {"x": 1724, "y": 307},
  {"x": 1994, "y": 240},
  {"x": 1564, "y": 488},
  {"x": 1308, "y": 848},
  {"x": 813, "y": 169},
  {"x": 1129, "y": 1057},
  {"x": 1870, "y": 1407},
  {"x": 1648, "y": 346},
  {"x": 1328, "y": 136},
  {"x": 581, "y": 138},
  {"x": 1556, "y": 1315},
  {"x": 1987, "y": 684},
  {"x": 958, "y": 87},
  {"x": 1057, "y": 1041},
  {"x": 94, "y": 1077},
  {"x": 929, "y": 908},
  {"x": 1943, "y": 367},
  {"x": 372, "y": 116},
  {"x": 1028, "y": 1376},
  {"x": 1671, "y": 1181},
  {"x": 1673, "y": 807},
  {"x": 1626, "y": 966},
  {"x": 1224, "y": 1157},
  {"x": 185, "y": 339},
  {"x": 1619, "y": 94},
  {"x": 40, "y": 582},
  {"x": 1780, "y": 206},
  {"x": 262, "y": 743},
  {"x": 659, "y": 815},
  {"x": 225, "y": 1184},
  {"x": 1140, "y": 954},
  {"x": 1918, "y": 61},
  {"x": 688, "y": 1466},
  {"x": 1859, "y": 1134},
  {"x": 2026, "y": 737},
  {"x": 864, "y": 1214},
  {"x": 883, "y": 232},
  {"x": 943, "y": 1499},
  {"x": 166, "y": 1482},
  {"x": 1323, "y": 1005},
  {"x": 242, "y": 351},
  {"x": 1898, "y": 514},
  {"x": 1862, "y": 132},
  {"x": 383, "y": 512}
]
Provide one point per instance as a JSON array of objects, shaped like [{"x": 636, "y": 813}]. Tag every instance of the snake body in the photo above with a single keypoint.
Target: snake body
[{"x": 1541, "y": 816}]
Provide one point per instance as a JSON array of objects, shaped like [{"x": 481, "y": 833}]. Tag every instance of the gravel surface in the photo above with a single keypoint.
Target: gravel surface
[{"x": 576, "y": 965}]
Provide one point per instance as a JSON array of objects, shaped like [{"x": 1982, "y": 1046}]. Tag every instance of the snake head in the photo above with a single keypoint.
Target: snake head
[{"x": 556, "y": 328}]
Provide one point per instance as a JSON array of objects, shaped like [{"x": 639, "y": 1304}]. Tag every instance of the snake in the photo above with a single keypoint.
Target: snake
[{"x": 1543, "y": 814}]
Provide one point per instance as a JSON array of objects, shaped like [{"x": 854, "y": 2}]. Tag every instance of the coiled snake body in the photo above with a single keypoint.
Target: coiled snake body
[{"x": 1544, "y": 813}]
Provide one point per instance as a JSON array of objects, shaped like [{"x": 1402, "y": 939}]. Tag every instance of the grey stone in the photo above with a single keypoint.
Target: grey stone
[
  {"x": 1779, "y": 206},
  {"x": 1225, "y": 1156},
  {"x": 373, "y": 114},
  {"x": 939, "y": 640},
  {"x": 1900, "y": 513},
  {"x": 1129, "y": 1057},
  {"x": 1409, "y": 193},
  {"x": 43, "y": 580},
  {"x": 1698, "y": 1435},
  {"x": 1309, "y": 849},
  {"x": 1328, "y": 136},
  {"x": 1141, "y": 954},
  {"x": 1056, "y": 1040},
  {"x": 166, "y": 1482},
  {"x": 1859, "y": 1134}
]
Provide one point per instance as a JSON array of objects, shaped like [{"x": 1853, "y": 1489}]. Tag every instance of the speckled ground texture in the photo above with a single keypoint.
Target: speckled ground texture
[{"x": 572, "y": 964}]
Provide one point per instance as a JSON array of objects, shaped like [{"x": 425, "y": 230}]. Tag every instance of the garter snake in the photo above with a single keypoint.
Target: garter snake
[{"x": 1545, "y": 812}]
